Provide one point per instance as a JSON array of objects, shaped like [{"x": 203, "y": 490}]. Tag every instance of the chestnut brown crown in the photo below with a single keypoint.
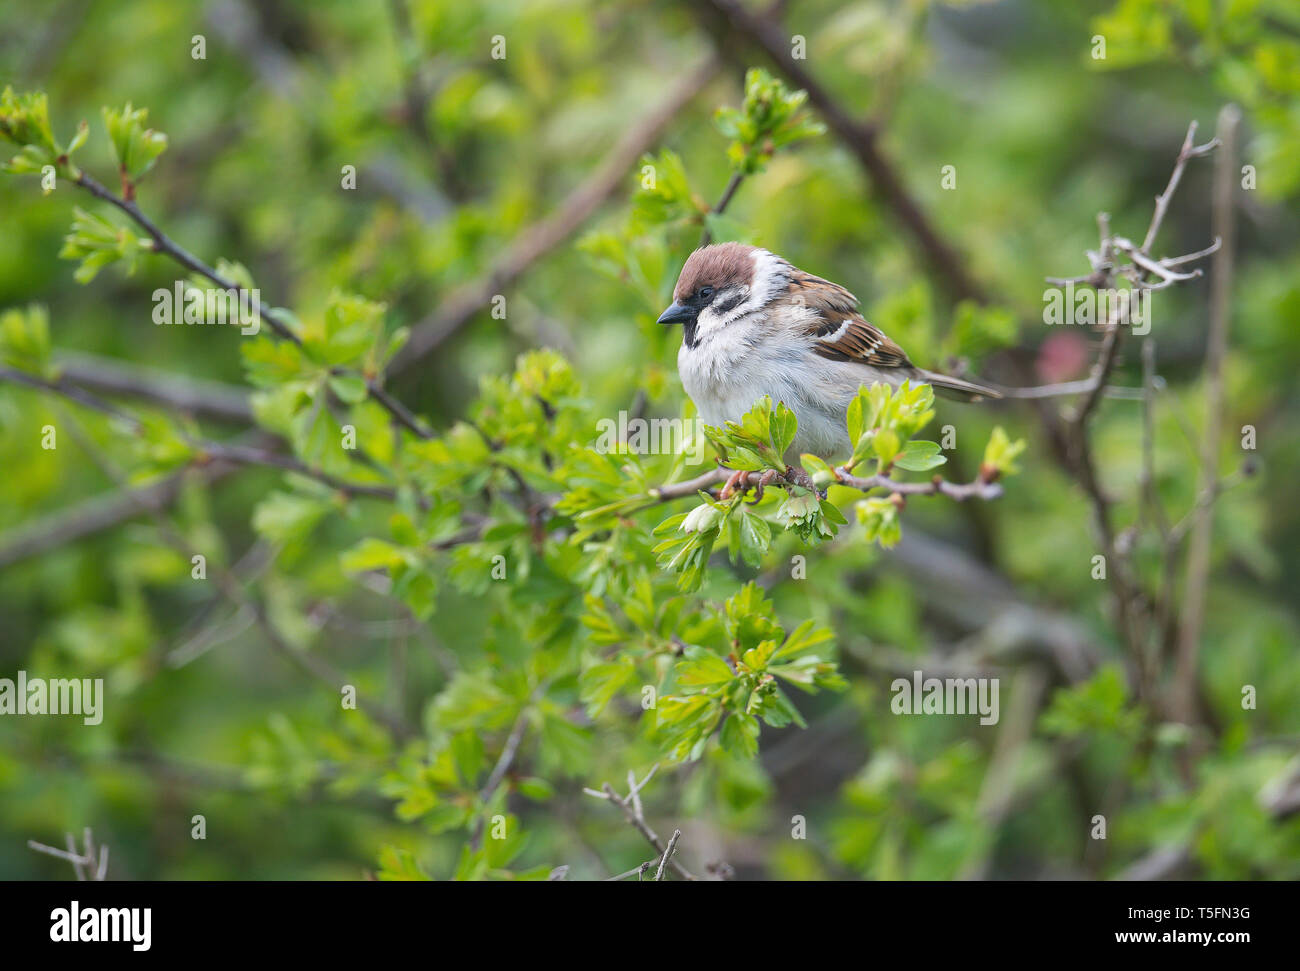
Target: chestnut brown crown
[{"x": 719, "y": 266}]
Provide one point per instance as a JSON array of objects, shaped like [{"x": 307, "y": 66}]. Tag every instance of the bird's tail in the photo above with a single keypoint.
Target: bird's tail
[{"x": 958, "y": 389}]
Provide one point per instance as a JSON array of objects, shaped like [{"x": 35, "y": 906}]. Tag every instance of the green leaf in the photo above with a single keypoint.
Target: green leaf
[
  {"x": 399, "y": 864},
  {"x": 468, "y": 757},
  {"x": 880, "y": 517},
  {"x": 135, "y": 147},
  {"x": 918, "y": 456},
  {"x": 703, "y": 667},
  {"x": 803, "y": 639},
  {"x": 538, "y": 790},
  {"x": 25, "y": 339},
  {"x": 284, "y": 517},
  {"x": 351, "y": 328},
  {"x": 783, "y": 425},
  {"x": 1000, "y": 454},
  {"x": 770, "y": 117},
  {"x": 885, "y": 445},
  {"x": 25, "y": 121},
  {"x": 97, "y": 242},
  {"x": 350, "y": 389},
  {"x": 374, "y": 554},
  {"x": 272, "y": 363},
  {"x": 600, "y": 683},
  {"x": 740, "y": 735}
]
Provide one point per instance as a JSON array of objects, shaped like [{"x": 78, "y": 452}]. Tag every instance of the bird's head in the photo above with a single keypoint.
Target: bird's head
[{"x": 722, "y": 283}]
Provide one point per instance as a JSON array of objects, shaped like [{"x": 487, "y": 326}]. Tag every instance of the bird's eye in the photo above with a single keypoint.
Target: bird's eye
[{"x": 706, "y": 292}]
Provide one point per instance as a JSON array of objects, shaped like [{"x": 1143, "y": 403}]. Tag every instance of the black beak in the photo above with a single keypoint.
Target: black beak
[{"x": 678, "y": 314}]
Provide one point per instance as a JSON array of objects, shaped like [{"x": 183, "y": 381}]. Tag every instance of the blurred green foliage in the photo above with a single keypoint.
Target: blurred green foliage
[{"x": 455, "y": 153}]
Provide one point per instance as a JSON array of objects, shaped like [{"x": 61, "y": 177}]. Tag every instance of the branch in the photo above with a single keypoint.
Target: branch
[
  {"x": 637, "y": 870},
  {"x": 1065, "y": 388},
  {"x": 1190, "y": 150},
  {"x": 1184, "y": 698},
  {"x": 732, "y": 185},
  {"x": 938, "y": 486},
  {"x": 539, "y": 239},
  {"x": 979, "y": 489},
  {"x": 1078, "y": 454},
  {"x": 637, "y": 819},
  {"x": 206, "y": 450},
  {"x": 724, "y": 17},
  {"x": 229, "y": 585},
  {"x": 210, "y": 399},
  {"x": 87, "y": 858},
  {"x": 168, "y": 247},
  {"x": 506, "y": 759},
  {"x": 103, "y": 512},
  {"x": 71, "y": 392},
  {"x": 677, "y": 490},
  {"x": 672, "y": 846}
]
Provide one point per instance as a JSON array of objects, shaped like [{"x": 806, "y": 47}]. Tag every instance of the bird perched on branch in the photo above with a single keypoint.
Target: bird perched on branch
[{"x": 753, "y": 324}]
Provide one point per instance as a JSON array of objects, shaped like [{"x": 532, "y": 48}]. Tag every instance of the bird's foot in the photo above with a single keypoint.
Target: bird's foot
[
  {"x": 767, "y": 478},
  {"x": 736, "y": 482}
]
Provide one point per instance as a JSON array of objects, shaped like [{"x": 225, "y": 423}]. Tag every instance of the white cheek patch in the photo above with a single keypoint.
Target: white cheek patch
[{"x": 771, "y": 277}]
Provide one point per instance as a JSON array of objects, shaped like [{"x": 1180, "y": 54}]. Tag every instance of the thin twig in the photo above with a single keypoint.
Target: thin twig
[
  {"x": 640, "y": 825},
  {"x": 1184, "y": 692},
  {"x": 960, "y": 492},
  {"x": 205, "y": 451},
  {"x": 206, "y": 399},
  {"x": 165, "y": 245},
  {"x": 306, "y": 661},
  {"x": 506, "y": 759},
  {"x": 727, "y": 19},
  {"x": 672, "y": 846},
  {"x": 457, "y": 309},
  {"x": 90, "y": 859},
  {"x": 732, "y": 185},
  {"x": 635, "y": 871},
  {"x": 676, "y": 490}
]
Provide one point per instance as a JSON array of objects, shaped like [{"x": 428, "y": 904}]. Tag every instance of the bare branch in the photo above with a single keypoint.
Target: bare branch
[
  {"x": 635, "y": 871},
  {"x": 229, "y": 585},
  {"x": 732, "y": 185},
  {"x": 960, "y": 492},
  {"x": 1184, "y": 692},
  {"x": 168, "y": 247},
  {"x": 1190, "y": 150},
  {"x": 539, "y": 239},
  {"x": 206, "y": 451},
  {"x": 641, "y": 826},
  {"x": 506, "y": 759},
  {"x": 672, "y": 846},
  {"x": 979, "y": 489},
  {"x": 676, "y": 490},
  {"x": 727, "y": 19},
  {"x": 206, "y": 399},
  {"x": 89, "y": 859}
]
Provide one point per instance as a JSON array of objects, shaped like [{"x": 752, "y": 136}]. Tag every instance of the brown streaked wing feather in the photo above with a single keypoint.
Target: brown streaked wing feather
[
  {"x": 860, "y": 341},
  {"x": 863, "y": 343}
]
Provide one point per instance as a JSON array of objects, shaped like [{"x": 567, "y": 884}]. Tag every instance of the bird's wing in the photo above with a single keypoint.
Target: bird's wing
[{"x": 841, "y": 332}]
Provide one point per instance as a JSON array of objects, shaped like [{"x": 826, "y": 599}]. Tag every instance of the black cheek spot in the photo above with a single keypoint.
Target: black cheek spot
[{"x": 731, "y": 302}]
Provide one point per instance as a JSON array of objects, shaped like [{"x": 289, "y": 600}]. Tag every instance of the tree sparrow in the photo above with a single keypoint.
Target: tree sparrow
[{"x": 755, "y": 325}]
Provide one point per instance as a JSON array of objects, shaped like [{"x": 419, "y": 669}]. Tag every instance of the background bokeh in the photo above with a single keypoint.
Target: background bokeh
[{"x": 456, "y": 154}]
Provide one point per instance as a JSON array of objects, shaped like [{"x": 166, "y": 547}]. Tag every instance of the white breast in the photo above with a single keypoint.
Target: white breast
[{"x": 733, "y": 366}]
